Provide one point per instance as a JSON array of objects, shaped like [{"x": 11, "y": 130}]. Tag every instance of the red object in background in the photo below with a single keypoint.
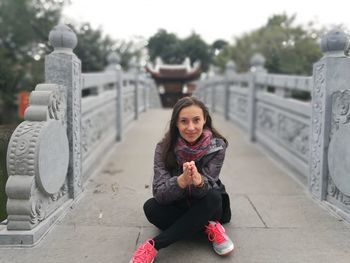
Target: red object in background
[{"x": 23, "y": 101}]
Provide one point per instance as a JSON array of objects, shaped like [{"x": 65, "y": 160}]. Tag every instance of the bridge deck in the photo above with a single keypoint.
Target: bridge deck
[{"x": 274, "y": 218}]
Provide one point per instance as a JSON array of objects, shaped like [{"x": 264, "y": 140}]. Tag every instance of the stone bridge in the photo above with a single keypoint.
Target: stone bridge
[{"x": 80, "y": 164}]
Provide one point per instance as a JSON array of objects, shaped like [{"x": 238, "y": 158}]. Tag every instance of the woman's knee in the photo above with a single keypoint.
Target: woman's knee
[
  {"x": 213, "y": 199},
  {"x": 149, "y": 208}
]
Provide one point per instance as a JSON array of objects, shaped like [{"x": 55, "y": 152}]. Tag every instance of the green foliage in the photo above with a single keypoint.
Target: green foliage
[
  {"x": 195, "y": 48},
  {"x": 24, "y": 27},
  {"x": 167, "y": 46},
  {"x": 24, "y": 30},
  {"x": 3, "y": 179},
  {"x": 5, "y": 133},
  {"x": 287, "y": 48},
  {"x": 173, "y": 50},
  {"x": 93, "y": 48}
]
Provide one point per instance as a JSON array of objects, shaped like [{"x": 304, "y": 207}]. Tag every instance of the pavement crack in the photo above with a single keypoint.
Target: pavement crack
[
  {"x": 138, "y": 237},
  {"x": 256, "y": 211}
]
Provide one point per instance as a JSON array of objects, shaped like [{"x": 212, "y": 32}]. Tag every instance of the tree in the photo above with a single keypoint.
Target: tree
[
  {"x": 92, "y": 48},
  {"x": 173, "y": 50},
  {"x": 287, "y": 48},
  {"x": 23, "y": 44},
  {"x": 167, "y": 46},
  {"x": 195, "y": 48},
  {"x": 217, "y": 46}
]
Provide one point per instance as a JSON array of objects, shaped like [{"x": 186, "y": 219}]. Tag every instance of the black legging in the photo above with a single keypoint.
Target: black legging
[{"x": 181, "y": 218}]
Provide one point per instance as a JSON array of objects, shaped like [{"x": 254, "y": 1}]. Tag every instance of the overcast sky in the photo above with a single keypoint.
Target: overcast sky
[{"x": 212, "y": 19}]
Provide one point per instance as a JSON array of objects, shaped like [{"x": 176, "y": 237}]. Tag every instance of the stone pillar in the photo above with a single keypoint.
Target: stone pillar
[
  {"x": 148, "y": 90},
  {"x": 257, "y": 64},
  {"x": 330, "y": 132},
  {"x": 135, "y": 72},
  {"x": 146, "y": 87},
  {"x": 229, "y": 74},
  {"x": 114, "y": 65},
  {"x": 64, "y": 68},
  {"x": 213, "y": 88}
]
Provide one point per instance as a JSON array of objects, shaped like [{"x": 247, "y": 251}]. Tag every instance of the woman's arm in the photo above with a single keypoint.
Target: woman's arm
[
  {"x": 165, "y": 187},
  {"x": 210, "y": 172}
]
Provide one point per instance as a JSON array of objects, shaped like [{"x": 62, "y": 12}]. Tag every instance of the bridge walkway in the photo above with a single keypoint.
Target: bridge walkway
[{"x": 274, "y": 218}]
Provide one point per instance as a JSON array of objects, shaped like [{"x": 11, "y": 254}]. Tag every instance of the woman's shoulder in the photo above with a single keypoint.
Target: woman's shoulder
[
  {"x": 218, "y": 142},
  {"x": 159, "y": 146},
  {"x": 216, "y": 145}
]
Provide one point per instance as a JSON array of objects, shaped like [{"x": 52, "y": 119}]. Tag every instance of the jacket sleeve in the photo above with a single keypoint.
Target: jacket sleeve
[
  {"x": 165, "y": 186},
  {"x": 210, "y": 172}
]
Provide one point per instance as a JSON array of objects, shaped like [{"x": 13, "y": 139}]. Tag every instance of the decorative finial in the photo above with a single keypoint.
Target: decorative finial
[
  {"x": 62, "y": 38},
  {"x": 113, "y": 61},
  {"x": 113, "y": 58},
  {"x": 257, "y": 60},
  {"x": 334, "y": 42},
  {"x": 257, "y": 63},
  {"x": 230, "y": 66},
  {"x": 133, "y": 65}
]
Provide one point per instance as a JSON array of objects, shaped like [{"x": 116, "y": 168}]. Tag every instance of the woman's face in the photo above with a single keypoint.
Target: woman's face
[{"x": 190, "y": 123}]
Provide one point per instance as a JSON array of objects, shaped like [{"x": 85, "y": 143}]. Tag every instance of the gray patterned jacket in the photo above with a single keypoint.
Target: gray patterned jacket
[{"x": 165, "y": 187}]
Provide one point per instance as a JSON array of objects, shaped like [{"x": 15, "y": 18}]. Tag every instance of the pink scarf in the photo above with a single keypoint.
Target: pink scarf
[{"x": 185, "y": 152}]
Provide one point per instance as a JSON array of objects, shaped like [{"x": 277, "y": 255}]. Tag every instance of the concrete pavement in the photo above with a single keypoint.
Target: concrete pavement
[{"x": 274, "y": 218}]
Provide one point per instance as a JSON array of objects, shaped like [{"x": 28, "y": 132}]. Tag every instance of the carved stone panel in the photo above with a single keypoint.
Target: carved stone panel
[
  {"x": 339, "y": 159},
  {"x": 339, "y": 148},
  {"x": 52, "y": 158},
  {"x": 266, "y": 120},
  {"x": 95, "y": 126},
  {"x": 242, "y": 107},
  {"x": 238, "y": 106},
  {"x": 316, "y": 165},
  {"x": 294, "y": 134}
]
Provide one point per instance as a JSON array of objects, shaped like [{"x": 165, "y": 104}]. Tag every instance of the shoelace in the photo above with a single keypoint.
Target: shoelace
[
  {"x": 144, "y": 252},
  {"x": 215, "y": 233}
]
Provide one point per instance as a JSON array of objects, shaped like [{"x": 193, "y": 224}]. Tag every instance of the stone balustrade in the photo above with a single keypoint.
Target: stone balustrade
[
  {"x": 72, "y": 122},
  {"x": 311, "y": 137}
]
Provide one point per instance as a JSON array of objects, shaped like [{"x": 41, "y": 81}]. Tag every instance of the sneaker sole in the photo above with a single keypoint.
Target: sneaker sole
[
  {"x": 225, "y": 253},
  {"x": 131, "y": 261}
]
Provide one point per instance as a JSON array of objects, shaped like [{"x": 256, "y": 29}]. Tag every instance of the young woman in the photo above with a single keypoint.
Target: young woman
[{"x": 188, "y": 194}]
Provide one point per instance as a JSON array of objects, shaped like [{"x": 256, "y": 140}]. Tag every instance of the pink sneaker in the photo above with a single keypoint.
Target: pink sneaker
[
  {"x": 222, "y": 244},
  {"x": 145, "y": 253}
]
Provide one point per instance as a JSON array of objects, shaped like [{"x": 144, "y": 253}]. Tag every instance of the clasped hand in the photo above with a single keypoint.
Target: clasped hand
[{"x": 190, "y": 175}]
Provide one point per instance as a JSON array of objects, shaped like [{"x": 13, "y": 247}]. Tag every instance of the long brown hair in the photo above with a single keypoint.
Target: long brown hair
[{"x": 170, "y": 137}]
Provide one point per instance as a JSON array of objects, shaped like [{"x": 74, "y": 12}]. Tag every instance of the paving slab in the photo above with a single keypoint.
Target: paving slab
[{"x": 77, "y": 244}]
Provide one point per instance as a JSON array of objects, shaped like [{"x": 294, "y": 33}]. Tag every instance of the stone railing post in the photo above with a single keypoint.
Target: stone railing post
[
  {"x": 135, "y": 71},
  {"x": 229, "y": 74},
  {"x": 146, "y": 87},
  {"x": 114, "y": 65},
  {"x": 257, "y": 64},
  {"x": 39, "y": 187},
  {"x": 330, "y": 132},
  {"x": 64, "y": 68},
  {"x": 213, "y": 88}
]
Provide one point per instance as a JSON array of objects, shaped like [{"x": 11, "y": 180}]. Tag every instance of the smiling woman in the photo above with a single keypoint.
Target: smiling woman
[{"x": 188, "y": 196}]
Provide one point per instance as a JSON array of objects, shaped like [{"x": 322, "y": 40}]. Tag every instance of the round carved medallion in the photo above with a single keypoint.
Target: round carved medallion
[
  {"x": 53, "y": 157},
  {"x": 339, "y": 159}
]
